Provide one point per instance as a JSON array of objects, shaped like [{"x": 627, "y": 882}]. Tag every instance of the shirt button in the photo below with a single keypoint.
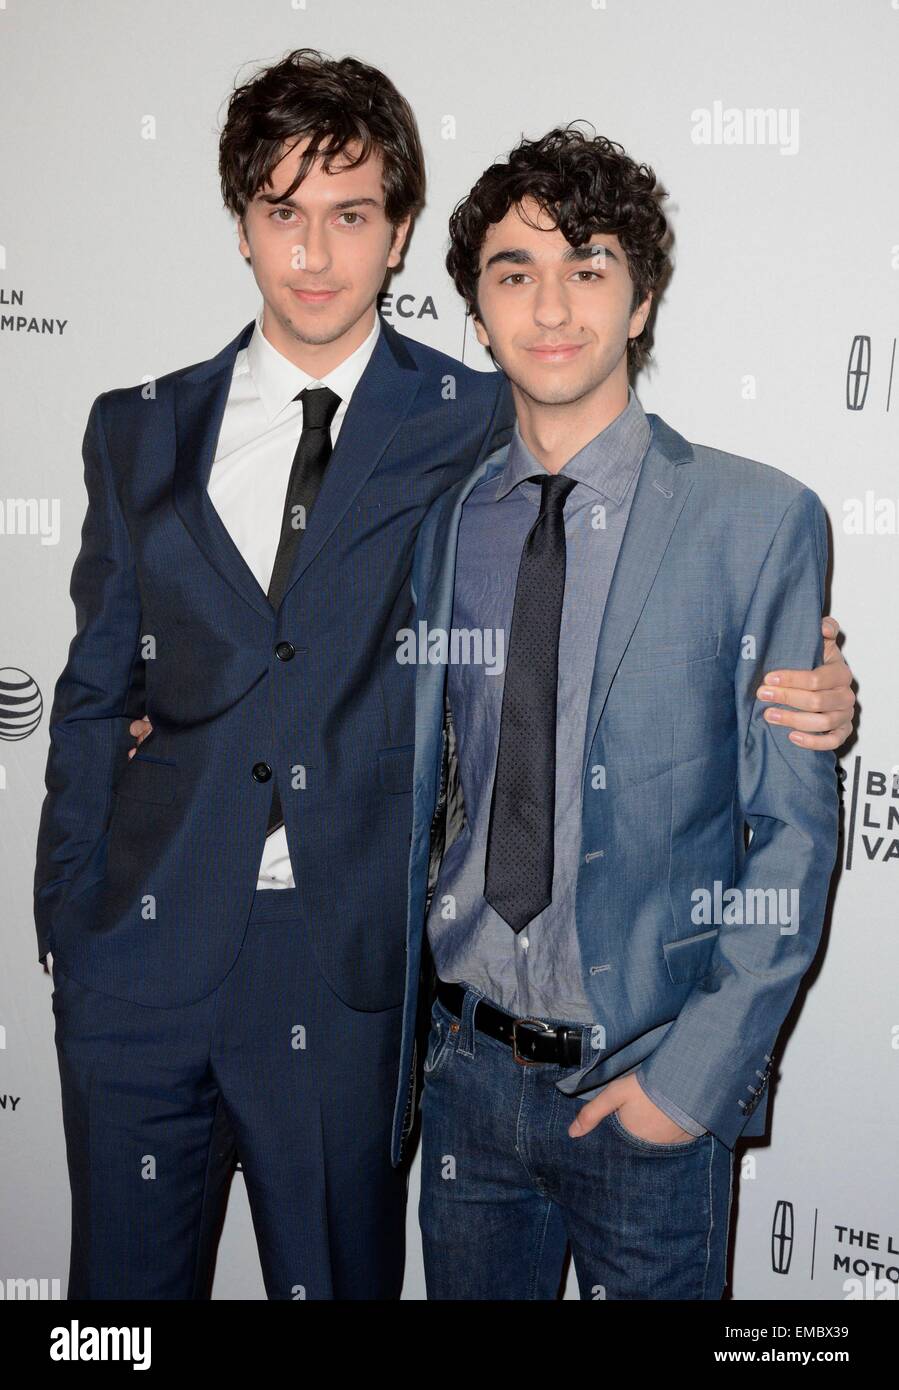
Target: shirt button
[
  {"x": 285, "y": 651},
  {"x": 261, "y": 772}
]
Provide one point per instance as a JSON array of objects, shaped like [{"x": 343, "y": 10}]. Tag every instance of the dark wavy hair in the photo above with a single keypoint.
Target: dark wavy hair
[
  {"x": 586, "y": 184},
  {"x": 332, "y": 102}
]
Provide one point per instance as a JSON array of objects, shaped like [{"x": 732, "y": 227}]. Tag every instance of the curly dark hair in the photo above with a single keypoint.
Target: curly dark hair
[
  {"x": 332, "y": 102},
  {"x": 586, "y": 184}
]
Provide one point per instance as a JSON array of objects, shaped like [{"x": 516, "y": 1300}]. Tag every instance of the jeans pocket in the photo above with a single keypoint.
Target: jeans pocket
[
  {"x": 440, "y": 1040},
  {"x": 650, "y": 1145}
]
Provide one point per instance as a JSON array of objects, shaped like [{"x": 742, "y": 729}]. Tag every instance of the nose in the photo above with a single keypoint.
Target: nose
[
  {"x": 316, "y": 255},
  {"x": 551, "y": 305}
]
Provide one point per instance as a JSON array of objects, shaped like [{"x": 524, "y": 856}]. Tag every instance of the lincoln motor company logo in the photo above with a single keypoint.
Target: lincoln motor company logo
[
  {"x": 782, "y": 1238},
  {"x": 865, "y": 1258},
  {"x": 859, "y": 372},
  {"x": 872, "y": 821}
]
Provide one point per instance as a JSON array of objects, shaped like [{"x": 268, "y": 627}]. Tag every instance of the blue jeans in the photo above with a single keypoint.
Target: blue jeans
[{"x": 504, "y": 1189}]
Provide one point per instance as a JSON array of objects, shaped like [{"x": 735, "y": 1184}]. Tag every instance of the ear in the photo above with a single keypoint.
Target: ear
[
  {"x": 483, "y": 336},
  {"x": 639, "y": 317},
  {"x": 398, "y": 241},
  {"x": 243, "y": 244}
]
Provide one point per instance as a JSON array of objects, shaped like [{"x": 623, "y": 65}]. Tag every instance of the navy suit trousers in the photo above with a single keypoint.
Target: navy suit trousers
[{"x": 270, "y": 1068}]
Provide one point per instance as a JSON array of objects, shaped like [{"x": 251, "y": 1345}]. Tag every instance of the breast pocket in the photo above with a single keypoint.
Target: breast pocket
[
  {"x": 382, "y": 501},
  {"x": 671, "y": 654}
]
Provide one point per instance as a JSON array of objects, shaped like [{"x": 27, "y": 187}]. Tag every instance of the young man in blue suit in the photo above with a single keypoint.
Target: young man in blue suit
[
  {"x": 597, "y": 606},
  {"x": 226, "y": 911},
  {"x": 244, "y": 584}
]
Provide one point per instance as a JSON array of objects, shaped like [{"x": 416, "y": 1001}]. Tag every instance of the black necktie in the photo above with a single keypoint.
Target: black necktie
[
  {"x": 306, "y": 473},
  {"x": 519, "y": 870}
]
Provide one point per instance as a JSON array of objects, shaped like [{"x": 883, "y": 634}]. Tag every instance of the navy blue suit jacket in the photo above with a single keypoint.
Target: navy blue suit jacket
[{"x": 146, "y": 869}]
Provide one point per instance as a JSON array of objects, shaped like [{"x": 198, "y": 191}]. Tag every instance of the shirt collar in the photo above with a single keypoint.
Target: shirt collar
[
  {"x": 607, "y": 463},
  {"x": 278, "y": 380}
]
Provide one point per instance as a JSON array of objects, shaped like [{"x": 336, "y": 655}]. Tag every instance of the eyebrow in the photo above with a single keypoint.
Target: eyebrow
[
  {"x": 518, "y": 256},
  {"x": 335, "y": 207}
]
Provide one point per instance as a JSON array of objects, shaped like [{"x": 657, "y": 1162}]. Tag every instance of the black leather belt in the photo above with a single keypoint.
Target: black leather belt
[{"x": 531, "y": 1041}]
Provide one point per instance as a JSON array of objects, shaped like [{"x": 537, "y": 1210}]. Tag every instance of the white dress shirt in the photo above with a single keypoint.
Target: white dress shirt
[{"x": 248, "y": 484}]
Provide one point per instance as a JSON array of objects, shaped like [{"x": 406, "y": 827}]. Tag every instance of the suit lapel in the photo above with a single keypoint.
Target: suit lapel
[
  {"x": 200, "y": 399},
  {"x": 439, "y": 536},
  {"x": 379, "y": 404},
  {"x": 435, "y": 603},
  {"x": 661, "y": 491}
]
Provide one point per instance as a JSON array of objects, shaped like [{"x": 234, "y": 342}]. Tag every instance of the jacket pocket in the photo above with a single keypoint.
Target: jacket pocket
[
  {"x": 688, "y": 959},
  {"x": 147, "y": 779},
  {"x": 395, "y": 767}
]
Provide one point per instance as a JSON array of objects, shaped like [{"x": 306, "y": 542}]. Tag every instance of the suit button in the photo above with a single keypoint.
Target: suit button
[
  {"x": 285, "y": 651},
  {"x": 261, "y": 772}
]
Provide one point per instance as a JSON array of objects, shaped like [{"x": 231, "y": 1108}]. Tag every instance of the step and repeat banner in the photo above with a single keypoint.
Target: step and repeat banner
[{"x": 773, "y": 128}]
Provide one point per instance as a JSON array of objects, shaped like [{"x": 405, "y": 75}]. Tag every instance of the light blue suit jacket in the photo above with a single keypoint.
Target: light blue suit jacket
[{"x": 720, "y": 578}]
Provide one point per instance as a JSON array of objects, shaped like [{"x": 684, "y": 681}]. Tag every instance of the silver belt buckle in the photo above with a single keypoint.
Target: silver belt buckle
[{"x": 534, "y": 1023}]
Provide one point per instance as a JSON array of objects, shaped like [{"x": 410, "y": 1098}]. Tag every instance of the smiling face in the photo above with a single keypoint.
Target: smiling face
[
  {"x": 320, "y": 256},
  {"x": 556, "y": 318}
]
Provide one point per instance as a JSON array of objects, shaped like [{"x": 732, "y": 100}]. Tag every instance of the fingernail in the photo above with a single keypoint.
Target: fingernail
[
  {"x": 774, "y": 716},
  {"x": 765, "y": 693},
  {"x": 773, "y": 680},
  {"x": 797, "y": 738}
]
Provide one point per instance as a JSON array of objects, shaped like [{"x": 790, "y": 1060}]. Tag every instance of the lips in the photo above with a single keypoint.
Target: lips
[
  {"x": 555, "y": 352},
  {"x": 314, "y": 296}
]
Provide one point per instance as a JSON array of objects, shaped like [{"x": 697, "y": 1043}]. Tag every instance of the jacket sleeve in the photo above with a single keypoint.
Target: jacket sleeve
[
  {"x": 89, "y": 718},
  {"x": 673, "y": 1111},
  {"x": 715, "y": 1059}
]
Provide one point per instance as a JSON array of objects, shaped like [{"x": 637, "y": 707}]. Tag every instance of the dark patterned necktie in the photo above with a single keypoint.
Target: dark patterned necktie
[
  {"x": 519, "y": 869},
  {"x": 306, "y": 474}
]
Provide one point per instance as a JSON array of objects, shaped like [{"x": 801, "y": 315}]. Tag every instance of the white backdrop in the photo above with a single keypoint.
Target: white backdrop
[{"x": 776, "y": 340}]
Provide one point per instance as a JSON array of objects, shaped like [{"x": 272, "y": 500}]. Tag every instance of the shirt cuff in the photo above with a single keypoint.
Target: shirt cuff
[{"x": 680, "y": 1117}]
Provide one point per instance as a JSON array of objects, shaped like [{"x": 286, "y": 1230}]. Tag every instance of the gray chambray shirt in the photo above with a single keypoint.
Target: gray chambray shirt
[{"x": 537, "y": 973}]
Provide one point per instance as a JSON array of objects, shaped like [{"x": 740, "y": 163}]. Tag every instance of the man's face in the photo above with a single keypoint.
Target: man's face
[
  {"x": 321, "y": 255},
  {"x": 556, "y": 318}
]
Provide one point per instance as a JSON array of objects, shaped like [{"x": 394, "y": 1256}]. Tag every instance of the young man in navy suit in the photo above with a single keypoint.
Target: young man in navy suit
[{"x": 226, "y": 909}]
